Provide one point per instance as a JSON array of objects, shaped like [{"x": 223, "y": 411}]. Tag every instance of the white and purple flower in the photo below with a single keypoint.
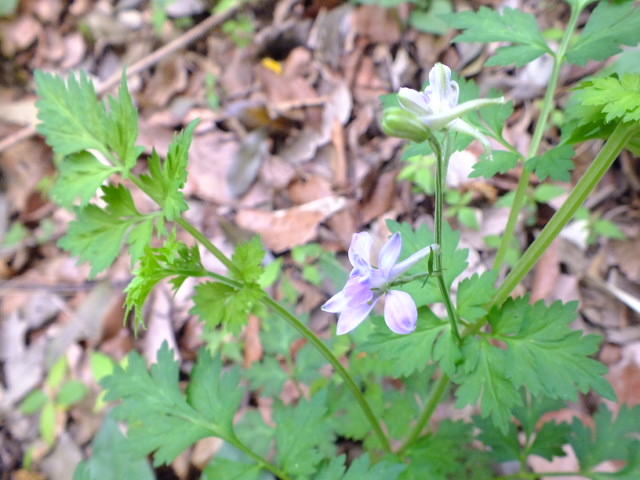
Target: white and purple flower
[
  {"x": 437, "y": 106},
  {"x": 367, "y": 284}
]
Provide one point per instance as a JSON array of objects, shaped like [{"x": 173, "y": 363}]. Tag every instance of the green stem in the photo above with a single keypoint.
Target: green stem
[
  {"x": 237, "y": 443},
  {"x": 335, "y": 363},
  {"x": 541, "y": 127},
  {"x": 308, "y": 334},
  {"x": 437, "y": 392},
  {"x": 442, "y": 160},
  {"x": 617, "y": 141}
]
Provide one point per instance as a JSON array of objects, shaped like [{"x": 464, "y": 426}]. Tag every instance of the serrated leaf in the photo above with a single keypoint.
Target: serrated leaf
[
  {"x": 110, "y": 459},
  {"x": 475, "y": 292},
  {"x": 167, "y": 178},
  {"x": 556, "y": 163},
  {"x": 122, "y": 126},
  {"x": 610, "y": 25},
  {"x": 511, "y": 25},
  {"x": 97, "y": 236},
  {"x": 218, "y": 303},
  {"x": 160, "y": 418},
  {"x": 616, "y": 98},
  {"x": 80, "y": 175},
  {"x": 611, "y": 439},
  {"x": 544, "y": 354},
  {"x": 502, "y": 162},
  {"x": 267, "y": 376},
  {"x": 484, "y": 377},
  {"x": 405, "y": 354},
  {"x": 73, "y": 119},
  {"x": 248, "y": 260},
  {"x": 227, "y": 469},
  {"x": 517, "y": 55},
  {"x": 298, "y": 451},
  {"x": 174, "y": 259}
]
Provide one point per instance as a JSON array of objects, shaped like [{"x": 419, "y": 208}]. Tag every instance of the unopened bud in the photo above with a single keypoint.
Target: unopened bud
[{"x": 401, "y": 123}]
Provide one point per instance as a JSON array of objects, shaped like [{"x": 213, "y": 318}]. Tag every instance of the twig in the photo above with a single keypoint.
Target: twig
[{"x": 141, "y": 65}]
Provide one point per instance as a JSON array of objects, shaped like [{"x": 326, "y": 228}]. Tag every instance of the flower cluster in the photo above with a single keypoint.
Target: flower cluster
[{"x": 367, "y": 284}]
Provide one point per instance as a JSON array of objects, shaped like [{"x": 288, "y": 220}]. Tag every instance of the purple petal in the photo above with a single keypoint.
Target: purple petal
[
  {"x": 389, "y": 254},
  {"x": 353, "y": 316},
  {"x": 414, "y": 101},
  {"x": 357, "y": 291},
  {"x": 400, "y": 312},
  {"x": 454, "y": 94},
  {"x": 409, "y": 262},
  {"x": 360, "y": 250},
  {"x": 336, "y": 304}
]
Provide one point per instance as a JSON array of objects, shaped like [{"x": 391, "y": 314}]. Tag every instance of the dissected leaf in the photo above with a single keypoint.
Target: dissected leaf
[
  {"x": 556, "y": 163},
  {"x": 502, "y": 162},
  {"x": 610, "y": 25},
  {"x": 475, "y": 292}
]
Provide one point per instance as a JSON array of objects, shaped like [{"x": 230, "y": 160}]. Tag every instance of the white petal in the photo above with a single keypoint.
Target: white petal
[
  {"x": 389, "y": 254},
  {"x": 360, "y": 250},
  {"x": 400, "y": 312},
  {"x": 414, "y": 101},
  {"x": 352, "y": 317}
]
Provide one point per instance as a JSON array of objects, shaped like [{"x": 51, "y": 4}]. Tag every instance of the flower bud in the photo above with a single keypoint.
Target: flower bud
[{"x": 401, "y": 123}]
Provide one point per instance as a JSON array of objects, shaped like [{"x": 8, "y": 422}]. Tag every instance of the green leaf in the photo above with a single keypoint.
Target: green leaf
[
  {"x": 248, "y": 260},
  {"x": 475, "y": 292},
  {"x": 227, "y": 469},
  {"x": 57, "y": 373},
  {"x": 502, "y": 162},
  {"x": 405, "y": 354},
  {"x": 267, "y": 376},
  {"x": 73, "y": 119},
  {"x": 556, "y": 163},
  {"x": 160, "y": 418},
  {"x": 255, "y": 433},
  {"x": 347, "y": 418},
  {"x": 511, "y": 25},
  {"x": 544, "y": 354},
  {"x": 483, "y": 376},
  {"x": 71, "y": 392},
  {"x": 610, "y": 97},
  {"x": 122, "y": 127},
  {"x": 218, "y": 303},
  {"x": 174, "y": 259},
  {"x": 80, "y": 176},
  {"x": 611, "y": 439},
  {"x": 546, "y": 192},
  {"x": 299, "y": 451},
  {"x": 166, "y": 179},
  {"x": 33, "y": 402},
  {"x": 360, "y": 469},
  {"x": 97, "y": 236},
  {"x": 610, "y": 25},
  {"x": 48, "y": 422},
  {"x": 111, "y": 459}
]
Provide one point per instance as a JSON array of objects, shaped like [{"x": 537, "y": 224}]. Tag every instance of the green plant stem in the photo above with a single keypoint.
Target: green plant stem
[
  {"x": 335, "y": 363},
  {"x": 437, "y": 392},
  {"x": 236, "y": 442},
  {"x": 610, "y": 151},
  {"x": 293, "y": 321},
  {"x": 541, "y": 127},
  {"x": 441, "y": 174}
]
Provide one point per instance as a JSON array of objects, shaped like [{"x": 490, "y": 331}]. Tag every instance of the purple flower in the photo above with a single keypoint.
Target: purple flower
[{"x": 367, "y": 284}]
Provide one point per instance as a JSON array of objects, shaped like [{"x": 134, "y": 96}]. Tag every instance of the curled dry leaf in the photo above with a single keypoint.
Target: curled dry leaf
[{"x": 284, "y": 229}]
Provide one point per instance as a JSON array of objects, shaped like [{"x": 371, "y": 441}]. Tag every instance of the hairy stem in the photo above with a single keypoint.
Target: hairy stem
[{"x": 541, "y": 127}]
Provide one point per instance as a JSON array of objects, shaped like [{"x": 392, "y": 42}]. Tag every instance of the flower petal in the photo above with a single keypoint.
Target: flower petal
[
  {"x": 359, "y": 252},
  {"x": 335, "y": 304},
  {"x": 414, "y": 101},
  {"x": 409, "y": 262},
  {"x": 357, "y": 290},
  {"x": 353, "y": 316},
  {"x": 400, "y": 312},
  {"x": 389, "y": 254},
  {"x": 440, "y": 88}
]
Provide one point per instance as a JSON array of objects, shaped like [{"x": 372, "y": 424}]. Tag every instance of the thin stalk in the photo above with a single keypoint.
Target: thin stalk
[
  {"x": 335, "y": 363},
  {"x": 437, "y": 392},
  {"x": 616, "y": 142},
  {"x": 236, "y": 442},
  {"x": 541, "y": 127},
  {"x": 441, "y": 173},
  {"x": 293, "y": 321}
]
